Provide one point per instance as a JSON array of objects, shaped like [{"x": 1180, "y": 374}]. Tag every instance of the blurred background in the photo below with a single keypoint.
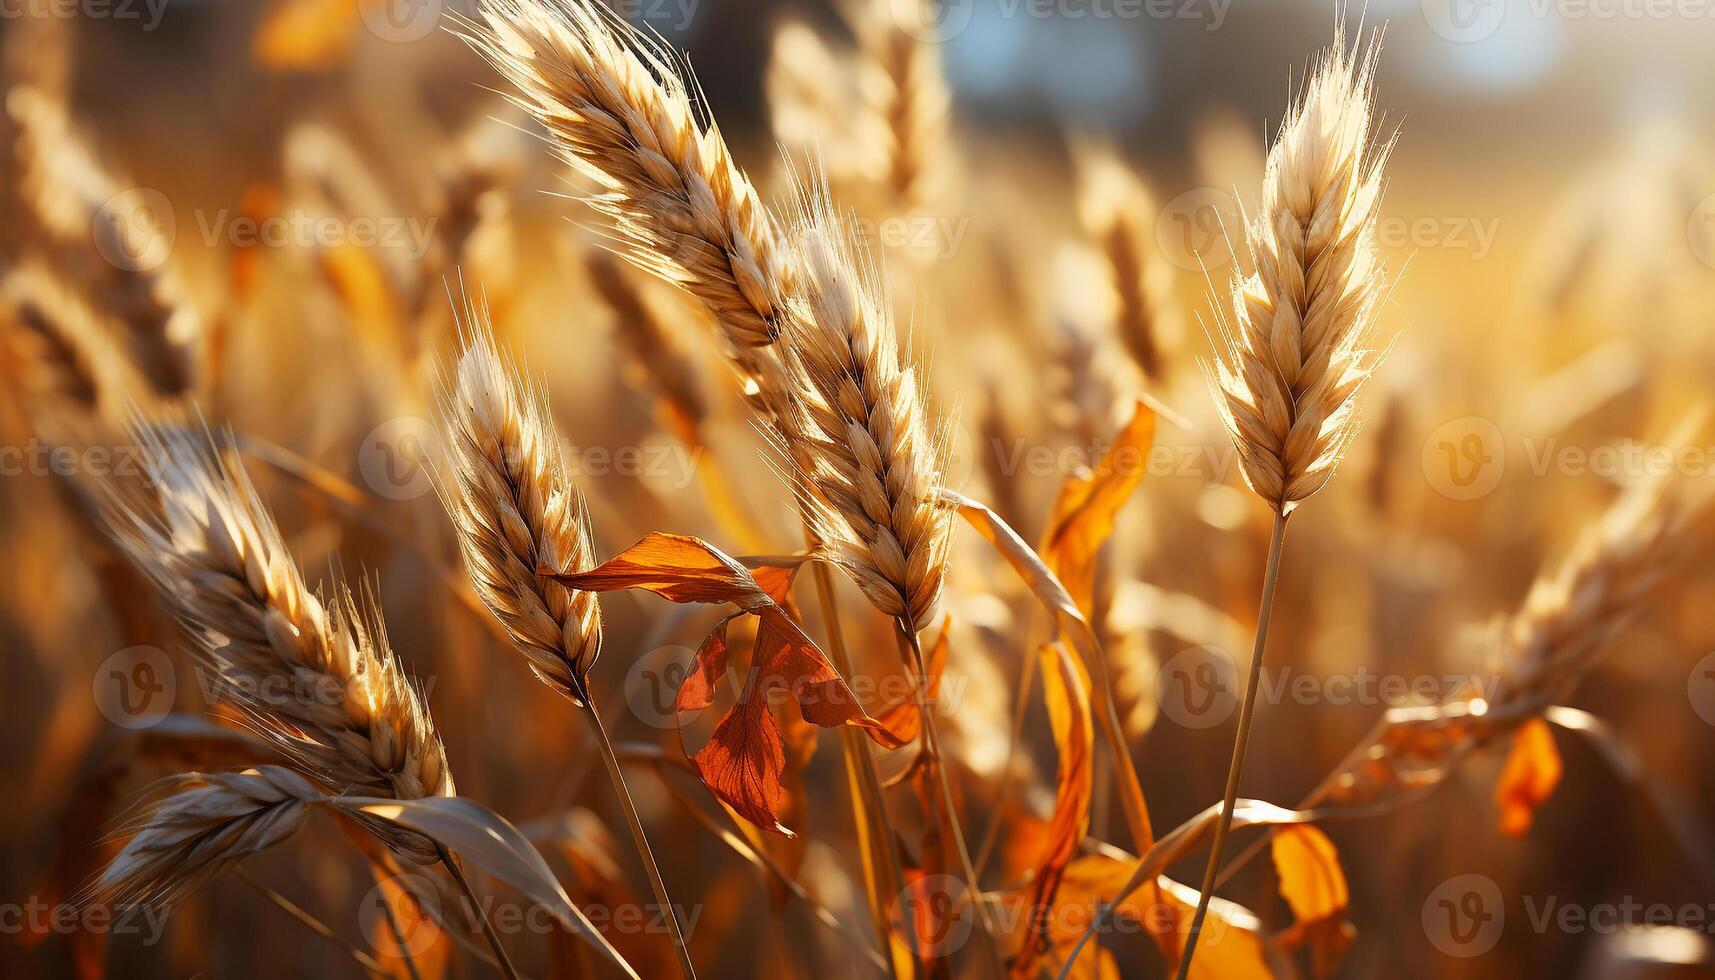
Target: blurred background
[{"x": 317, "y": 178}]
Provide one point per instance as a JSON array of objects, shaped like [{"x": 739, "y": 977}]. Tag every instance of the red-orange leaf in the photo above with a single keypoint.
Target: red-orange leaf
[
  {"x": 676, "y": 567},
  {"x": 1532, "y": 772},
  {"x": 1083, "y": 516}
]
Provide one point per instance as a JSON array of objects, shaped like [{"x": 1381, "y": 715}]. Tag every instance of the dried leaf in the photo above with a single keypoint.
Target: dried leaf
[
  {"x": 1065, "y": 689},
  {"x": 1310, "y": 877},
  {"x": 485, "y": 839},
  {"x": 744, "y": 761},
  {"x": 1529, "y": 778},
  {"x": 1084, "y": 513}
]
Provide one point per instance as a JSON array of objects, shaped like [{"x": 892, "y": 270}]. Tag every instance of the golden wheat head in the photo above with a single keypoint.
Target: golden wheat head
[
  {"x": 618, "y": 109},
  {"x": 1291, "y": 361},
  {"x": 517, "y": 512},
  {"x": 317, "y": 678},
  {"x": 857, "y": 433}
]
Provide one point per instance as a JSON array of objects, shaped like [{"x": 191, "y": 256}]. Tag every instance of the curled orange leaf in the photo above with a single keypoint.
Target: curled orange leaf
[{"x": 1529, "y": 778}]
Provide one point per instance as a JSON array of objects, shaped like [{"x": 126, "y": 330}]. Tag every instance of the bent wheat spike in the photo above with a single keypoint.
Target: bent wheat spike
[
  {"x": 197, "y": 826},
  {"x": 517, "y": 511},
  {"x": 317, "y": 678},
  {"x": 619, "y": 110}
]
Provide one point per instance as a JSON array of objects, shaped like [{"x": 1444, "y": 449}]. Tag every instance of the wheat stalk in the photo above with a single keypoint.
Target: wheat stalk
[
  {"x": 516, "y": 511},
  {"x": 858, "y": 436},
  {"x": 1287, "y": 372},
  {"x": 519, "y": 516},
  {"x": 196, "y": 826},
  {"x": 317, "y": 678}
]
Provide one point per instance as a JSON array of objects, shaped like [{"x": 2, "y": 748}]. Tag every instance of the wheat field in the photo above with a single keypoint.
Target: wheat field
[{"x": 875, "y": 488}]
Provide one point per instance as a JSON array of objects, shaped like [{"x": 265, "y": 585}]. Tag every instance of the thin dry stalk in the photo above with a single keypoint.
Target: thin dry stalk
[
  {"x": 317, "y": 678},
  {"x": 517, "y": 511},
  {"x": 867, "y": 467},
  {"x": 1292, "y": 357}
]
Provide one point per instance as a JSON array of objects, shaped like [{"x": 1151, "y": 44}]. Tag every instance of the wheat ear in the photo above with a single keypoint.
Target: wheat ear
[
  {"x": 317, "y": 678},
  {"x": 900, "y": 81},
  {"x": 1293, "y": 356},
  {"x": 196, "y": 826},
  {"x": 858, "y": 435},
  {"x": 618, "y": 108},
  {"x": 517, "y": 511},
  {"x": 1287, "y": 373},
  {"x": 1117, "y": 213}
]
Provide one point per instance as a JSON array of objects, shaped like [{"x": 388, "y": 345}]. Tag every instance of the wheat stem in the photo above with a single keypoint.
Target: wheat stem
[
  {"x": 488, "y": 932},
  {"x": 1236, "y": 768},
  {"x": 308, "y": 921},
  {"x": 668, "y": 912}
]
